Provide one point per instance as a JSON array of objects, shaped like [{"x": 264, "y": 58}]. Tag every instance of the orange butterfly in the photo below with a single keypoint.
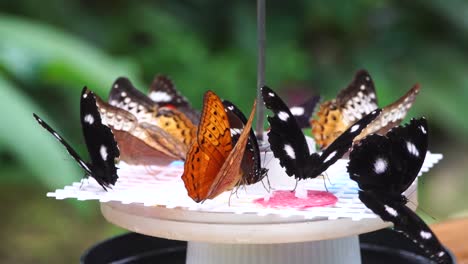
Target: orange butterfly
[
  {"x": 354, "y": 102},
  {"x": 125, "y": 96},
  {"x": 140, "y": 143},
  {"x": 213, "y": 164}
]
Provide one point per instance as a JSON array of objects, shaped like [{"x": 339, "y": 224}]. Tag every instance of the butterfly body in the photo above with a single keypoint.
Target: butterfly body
[
  {"x": 252, "y": 170},
  {"x": 384, "y": 168},
  {"x": 100, "y": 142},
  {"x": 289, "y": 145}
]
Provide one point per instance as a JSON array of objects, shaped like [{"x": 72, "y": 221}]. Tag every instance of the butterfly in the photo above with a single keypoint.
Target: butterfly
[
  {"x": 289, "y": 144},
  {"x": 124, "y": 95},
  {"x": 251, "y": 162},
  {"x": 100, "y": 142},
  {"x": 303, "y": 112},
  {"x": 140, "y": 143},
  {"x": 384, "y": 167},
  {"x": 213, "y": 163},
  {"x": 164, "y": 93},
  {"x": 351, "y": 104}
]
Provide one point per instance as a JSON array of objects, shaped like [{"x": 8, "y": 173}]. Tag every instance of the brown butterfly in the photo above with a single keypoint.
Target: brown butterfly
[
  {"x": 164, "y": 93},
  {"x": 140, "y": 143},
  {"x": 213, "y": 164},
  {"x": 125, "y": 96},
  {"x": 354, "y": 102}
]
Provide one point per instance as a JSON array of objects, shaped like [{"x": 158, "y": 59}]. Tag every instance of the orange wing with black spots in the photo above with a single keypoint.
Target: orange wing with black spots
[
  {"x": 213, "y": 164},
  {"x": 328, "y": 125},
  {"x": 177, "y": 124}
]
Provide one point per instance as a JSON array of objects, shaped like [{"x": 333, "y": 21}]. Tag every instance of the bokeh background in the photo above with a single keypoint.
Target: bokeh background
[{"x": 49, "y": 50}]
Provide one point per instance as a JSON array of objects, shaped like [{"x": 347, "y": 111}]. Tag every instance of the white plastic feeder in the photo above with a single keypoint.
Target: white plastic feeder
[{"x": 231, "y": 229}]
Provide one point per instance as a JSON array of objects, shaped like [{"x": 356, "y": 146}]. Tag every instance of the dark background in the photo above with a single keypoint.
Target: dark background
[{"x": 50, "y": 50}]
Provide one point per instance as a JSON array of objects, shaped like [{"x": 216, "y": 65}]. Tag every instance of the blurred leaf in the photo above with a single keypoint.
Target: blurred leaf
[
  {"x": 38, "y": 151},
  {"x": 39, "y": 52}
]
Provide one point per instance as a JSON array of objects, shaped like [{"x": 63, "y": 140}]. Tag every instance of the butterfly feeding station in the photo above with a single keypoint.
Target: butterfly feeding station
[{"x": 256, "y": 224}]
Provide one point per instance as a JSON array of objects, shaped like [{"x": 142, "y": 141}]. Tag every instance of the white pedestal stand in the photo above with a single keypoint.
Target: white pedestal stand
[{"x": 247, "y": 238}]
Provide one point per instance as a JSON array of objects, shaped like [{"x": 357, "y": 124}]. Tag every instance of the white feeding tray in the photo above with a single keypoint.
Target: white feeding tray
[{"x": 153, "y": 201}]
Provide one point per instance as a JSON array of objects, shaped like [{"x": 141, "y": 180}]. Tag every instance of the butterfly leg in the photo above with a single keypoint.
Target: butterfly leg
[
  {"x": 325, "y": 183},
  {"x": 295, "y": 186}
]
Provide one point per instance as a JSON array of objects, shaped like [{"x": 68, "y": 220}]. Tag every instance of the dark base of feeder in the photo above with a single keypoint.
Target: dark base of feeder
[{"x": 384, "y": 246}]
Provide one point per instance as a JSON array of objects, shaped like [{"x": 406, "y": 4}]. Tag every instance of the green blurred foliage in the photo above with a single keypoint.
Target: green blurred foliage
[{"x": 50, "y": 50}]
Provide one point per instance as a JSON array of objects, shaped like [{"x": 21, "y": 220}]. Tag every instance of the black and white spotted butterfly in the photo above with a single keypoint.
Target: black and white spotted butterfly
[
  {"x": 289, "y": 145},
  {"x": 251, "y": 163},
  {"x": 384, "y": 167},
  {"x": 100, "y": 142}
]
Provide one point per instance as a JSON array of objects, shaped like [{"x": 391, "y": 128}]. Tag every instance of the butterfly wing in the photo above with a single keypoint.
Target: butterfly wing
[
  {"x": 176, "y": 124},
  {"x": 164, "y": 93},
  {"x": 124, "y": 95},
  {"x": 70, "y": 150},
  {"x": 209, "y": 151},
  {"x": 230, "y": 173},
  {"x": 304, "y": 111},
  {"x": 285, "y": 136},
  {"x": 100, "y": 142},
  {"x": 392, "y": 115},
  {"x": 251, "y": 163},
  {"x": 408, "y": 223},
  {"x": 140, "y": 143},
  {"x": 390, "y": 163},
  {"x": 318, "y": 163},
  {"x": 351, "y": 104},
  {"x": 358, "y": 99},
  {"x": 328, "y": 125}
]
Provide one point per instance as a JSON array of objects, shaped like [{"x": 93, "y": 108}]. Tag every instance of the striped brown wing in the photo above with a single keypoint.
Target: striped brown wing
[
  {"x": 392, "y": 114},
  {"x": 139, "y": 142}
]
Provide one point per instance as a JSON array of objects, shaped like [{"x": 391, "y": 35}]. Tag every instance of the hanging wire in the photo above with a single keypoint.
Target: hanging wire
[{"x": 261, "y": 39}]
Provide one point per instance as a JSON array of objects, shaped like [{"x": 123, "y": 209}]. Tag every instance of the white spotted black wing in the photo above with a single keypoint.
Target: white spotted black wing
[
  {"x": 359, "y": 98},
  {"x": 406, "y": 222},
  {"x": 384, "y": 167},
  {"x": 100, "y": 141},
  {"x": 251, "y": 163},
  {"x": 70, "y": 150},
  {"x": 304, "y": 111},
  {"x": 318, "y": 163},
  {"x": 390, "y": 163},
  {"x": 164, "y": 93},
  {"x": 285, "y": 136},
  {"x": 124, "y": 95}
]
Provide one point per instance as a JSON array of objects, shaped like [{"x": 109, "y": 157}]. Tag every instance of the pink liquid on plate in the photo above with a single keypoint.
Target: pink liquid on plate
[{"x": 287, "y": 199}]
